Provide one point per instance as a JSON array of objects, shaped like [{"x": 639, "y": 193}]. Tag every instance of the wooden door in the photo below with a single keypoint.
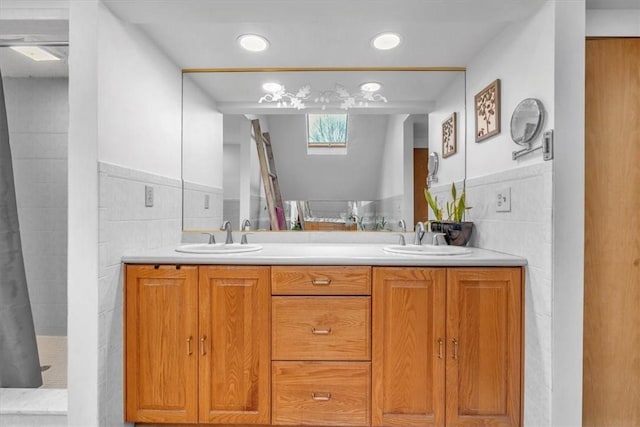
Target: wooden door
[
  {"x": 611, "y": 379},
  {"x": 161, "y": 366},
  {"x": 235, "y": 359},
  {"x": 484, "y": 346},
  {"x": 420, "y": 172},
  {"x": 408, "y": 346}
]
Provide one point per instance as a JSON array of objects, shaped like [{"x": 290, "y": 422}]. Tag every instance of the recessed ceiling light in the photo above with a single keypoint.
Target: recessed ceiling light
[
  {"x": 253, "y": 42},
  {"x": 36, "y": 53},
  {"x": 370, "y": 87},
  {"x": 271, "y": 87},
  {"x": 386, "y": 41}
]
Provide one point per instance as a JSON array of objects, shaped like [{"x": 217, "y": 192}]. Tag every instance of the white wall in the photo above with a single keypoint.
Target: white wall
[
  {"x": 139, "y": 97},
  {"x": 38, "y": 119},
  {"x": 125, "y": 98},
  {"x": 451, "y": 169},
  {"x": 613, "y": 23},
  {"x": 522, "y": 57},
  {"x": 390, "y": 182},
  {"x": 568, "y": 212},
  {"x": 231, "y": 165},
  {"x": 202, "y": 137},
  {"x": 328, "y": 177},
  {"x": 82, "y": 265}
]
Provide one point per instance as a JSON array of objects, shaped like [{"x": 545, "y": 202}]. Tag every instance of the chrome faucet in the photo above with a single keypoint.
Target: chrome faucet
[
  {"x": 226, "y": 226},
  {"x": 246, "y": 225},
  {"x": 403, "y": 225},
  {"x": 212, "y": 238},
  {"x": 439, "y": 239},
  {"x": 419, "y": 233}
]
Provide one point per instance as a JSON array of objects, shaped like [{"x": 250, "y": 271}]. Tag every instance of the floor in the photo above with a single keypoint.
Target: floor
[
  {"x": 38, "y": 407},
  {"x": 53, "y": 360}
]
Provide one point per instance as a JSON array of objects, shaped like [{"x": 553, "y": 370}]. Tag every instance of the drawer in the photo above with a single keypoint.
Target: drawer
[
  {"x": 321, "y": 393},
  {"x": 318, "y": 280},
  {"x": 321, "y": 328}
]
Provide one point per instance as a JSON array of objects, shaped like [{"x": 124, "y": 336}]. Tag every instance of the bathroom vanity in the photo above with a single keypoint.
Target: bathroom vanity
[{"x": 280, "y": 337}]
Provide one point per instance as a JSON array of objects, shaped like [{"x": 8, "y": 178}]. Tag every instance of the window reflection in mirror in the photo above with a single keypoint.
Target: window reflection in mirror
[{"x": 370, "y": 185}]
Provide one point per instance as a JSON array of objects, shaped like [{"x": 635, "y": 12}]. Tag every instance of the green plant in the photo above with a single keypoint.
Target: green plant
[{"x": 455, "y": 208}]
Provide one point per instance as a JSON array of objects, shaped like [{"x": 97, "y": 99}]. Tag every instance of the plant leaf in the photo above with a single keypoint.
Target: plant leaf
[
  {"x": 433, "y": 204},
  {"x": 454, "y": 191}
]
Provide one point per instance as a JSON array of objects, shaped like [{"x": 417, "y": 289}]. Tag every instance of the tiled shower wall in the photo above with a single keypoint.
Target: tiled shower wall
[
  {"x": 126, "y": 224},
  {"x": 525, "y": 231},
  {"x": 38, "y": 119}
]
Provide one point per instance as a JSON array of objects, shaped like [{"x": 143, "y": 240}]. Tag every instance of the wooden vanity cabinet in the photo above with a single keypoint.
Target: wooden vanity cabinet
[
  {"x": 321, "y": 345},
  {"x": 447, "y": 346},
  {"x": 197, "y": 344},
  {"x": 161, "y": 339}
]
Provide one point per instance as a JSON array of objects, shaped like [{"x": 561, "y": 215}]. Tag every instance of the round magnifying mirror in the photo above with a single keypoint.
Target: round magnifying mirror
[
  {"x": 526, "y": 121},
  {"x": 433, "y": 164}
]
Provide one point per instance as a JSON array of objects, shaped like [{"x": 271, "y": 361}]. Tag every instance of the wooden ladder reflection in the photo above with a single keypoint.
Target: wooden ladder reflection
[{"x": 269, "y": 177}]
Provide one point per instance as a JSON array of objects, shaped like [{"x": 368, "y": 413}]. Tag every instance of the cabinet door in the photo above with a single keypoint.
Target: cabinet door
[
  {"x": 408, "y": 346},
  {"x": 235, "y": 360},
  {"x": 161, "y": 366},
  {"x": 484, "y": 346}
]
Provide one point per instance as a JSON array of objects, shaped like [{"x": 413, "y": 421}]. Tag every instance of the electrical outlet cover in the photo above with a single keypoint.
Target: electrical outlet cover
[
  {"x": 148, "y": 196},
  {"x": 206, "y": 201},
  {"x": 503, "y": 200}
]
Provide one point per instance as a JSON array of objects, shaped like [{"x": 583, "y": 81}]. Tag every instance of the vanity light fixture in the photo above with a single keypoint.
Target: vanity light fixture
[
  {"x": 386, "y": 41},
  {"x": 272, "y": 87},
  {"x": 35, "y": 53},
  {"x": 370, "y": 87},
  {"x": 253, "y": 42}
]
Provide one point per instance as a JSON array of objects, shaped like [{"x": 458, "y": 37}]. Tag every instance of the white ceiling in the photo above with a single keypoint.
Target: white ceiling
[
  {"x": 412, "y": 92},
  {"x": 14, "y": 64},
  {"x": 322, "y": 33}
]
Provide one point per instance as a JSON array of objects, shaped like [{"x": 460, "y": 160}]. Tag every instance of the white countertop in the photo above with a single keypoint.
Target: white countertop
[{"x": 325, "y": 254}]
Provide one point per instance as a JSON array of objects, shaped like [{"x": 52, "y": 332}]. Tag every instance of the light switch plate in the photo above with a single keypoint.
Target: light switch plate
[
  {"x": 206, "y": 201},
  {"x": 503, "y": 200},
  {"x": 148, "y": 196}
]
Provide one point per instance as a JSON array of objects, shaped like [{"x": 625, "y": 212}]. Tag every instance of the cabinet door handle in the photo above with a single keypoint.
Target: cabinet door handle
[
  {"x": 189, "y": 352},
  {"x": 321, "y": 282},
  {"x": 320, "y": 331},
  {"x": 440, "y": 348},
  {"x": 321, "y": 397},
  {"x": 203, "y": 350},
  {"x": 455, "y": 348}
]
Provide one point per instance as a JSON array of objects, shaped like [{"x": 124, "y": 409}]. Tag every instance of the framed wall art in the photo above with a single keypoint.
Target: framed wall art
[
  {"x": 449, "y": 136},
  {"x": 487, "y": 111}
]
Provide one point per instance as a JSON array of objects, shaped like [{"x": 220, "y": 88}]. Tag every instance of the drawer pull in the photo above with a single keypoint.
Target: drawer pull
[
  {"x": 321, "y": 397},
  {"x": 321, "y": 282},
  {"x": 440, "y": 348},
  {"x": 203, "y": 350},
  {"x": 455, "y": 348},
  {"x": 189, "y": 352},
  {"x": 320, "y": 331}
]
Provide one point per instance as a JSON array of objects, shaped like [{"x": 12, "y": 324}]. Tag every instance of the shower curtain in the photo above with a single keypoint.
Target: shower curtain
[{"x": 19, "y": 364}]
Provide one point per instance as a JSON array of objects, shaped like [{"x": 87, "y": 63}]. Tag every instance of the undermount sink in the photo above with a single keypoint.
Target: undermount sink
[
  {"x": 427, "y": 250},
  {"x": 218, "y": 248}
]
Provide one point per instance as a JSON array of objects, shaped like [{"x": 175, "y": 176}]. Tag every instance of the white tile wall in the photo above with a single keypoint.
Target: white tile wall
[
  {"x": 126, "y": 224},
  {"x": 37, "y": 113},
  {"x": 525, "y": 231},
  {"x": 196, "y": 217}
]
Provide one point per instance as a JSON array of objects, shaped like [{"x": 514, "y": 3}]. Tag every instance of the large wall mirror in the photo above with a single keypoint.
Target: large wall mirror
[{"x": 347, "y": 157}]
